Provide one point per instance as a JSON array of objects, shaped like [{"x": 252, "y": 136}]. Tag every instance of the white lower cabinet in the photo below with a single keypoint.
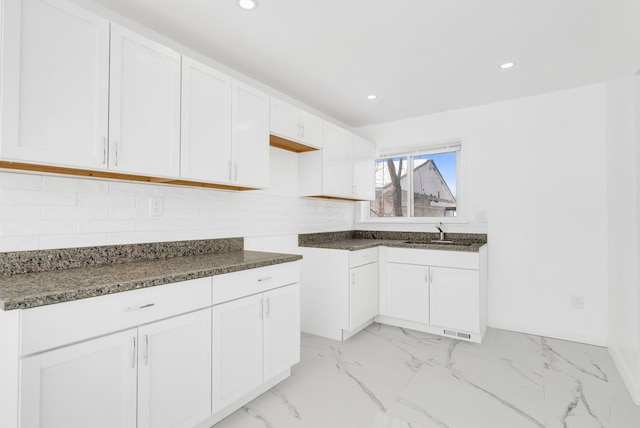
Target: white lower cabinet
[
  {"x": 180, "y": 355},
  {"x": 90, "y": 384},
  {"x": 174, "y": 371},
  {"x": 441, "y": 292},
  {"x": 363, "y": 294},
  {"x": 254, "y": 339},
  {"x": 281, "y": 342},
  {"x": 160, "y": 372},
  {"x": 237, "y": 344},
  {"x": 407, "y": 292},
  {"x": 455, "y": 299},
  {"x": 339, "y": 292}
]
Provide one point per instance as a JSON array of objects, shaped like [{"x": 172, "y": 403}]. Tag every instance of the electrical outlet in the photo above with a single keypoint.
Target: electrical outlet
[
  {"x": 577, "y": 301},
  {"x": 155, "y": 207}
]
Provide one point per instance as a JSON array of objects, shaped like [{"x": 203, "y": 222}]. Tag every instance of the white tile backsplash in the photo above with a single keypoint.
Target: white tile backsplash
[
  {"x": 72, "y": 184},
  {"x": 105, "y": 200},
  {"x": 37, "y": 227},
  {"x": 47, "y": 211},
  {"x": 35, "y": 197},
  {"x": 20, "y": 212}
]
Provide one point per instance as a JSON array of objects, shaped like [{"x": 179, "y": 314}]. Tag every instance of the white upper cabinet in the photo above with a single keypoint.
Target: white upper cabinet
[
  {"x": 364, "y": 153},
  {"x": 284, "y": 119},
  {"x": 144, "y": 114},
  {"x": 294, "y": 124},
  {"x": 250, "y": 136},
  {"x": 206, "y": 123},
  {"x": 312, "y": 130},
  {"x": 55, "y": 82},
  {"x": 329, "y": 172},
  {"x": 337, "y": 165}
]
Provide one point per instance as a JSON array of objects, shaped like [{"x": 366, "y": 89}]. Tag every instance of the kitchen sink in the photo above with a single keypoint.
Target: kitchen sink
[{"x": 438, "y": 242}]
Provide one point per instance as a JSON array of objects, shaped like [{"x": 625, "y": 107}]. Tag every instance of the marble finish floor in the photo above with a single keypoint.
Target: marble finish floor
[{"x": 387, "y": 377}]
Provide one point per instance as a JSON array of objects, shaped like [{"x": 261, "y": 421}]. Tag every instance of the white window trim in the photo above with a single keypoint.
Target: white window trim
[{"x": 363, "y": 217}]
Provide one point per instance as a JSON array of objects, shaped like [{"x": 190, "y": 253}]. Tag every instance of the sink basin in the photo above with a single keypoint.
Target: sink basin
[{"x": 437, "y": 242}]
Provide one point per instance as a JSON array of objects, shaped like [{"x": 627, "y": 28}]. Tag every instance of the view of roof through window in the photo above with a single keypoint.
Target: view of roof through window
[{"x": 416, "y": 186}]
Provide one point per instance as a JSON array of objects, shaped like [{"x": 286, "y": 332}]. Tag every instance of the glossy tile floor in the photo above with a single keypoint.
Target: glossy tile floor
[{"x": 387, "y": 377}]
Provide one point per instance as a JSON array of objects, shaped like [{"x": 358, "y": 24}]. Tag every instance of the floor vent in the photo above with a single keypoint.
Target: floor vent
[{"x": 457, "y": 334}]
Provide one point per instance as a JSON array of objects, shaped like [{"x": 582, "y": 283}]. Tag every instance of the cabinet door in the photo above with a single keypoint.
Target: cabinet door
[
  {"x": 237, "y": 349},
  {"x": 363, "y": 169},
  {"x": 363, "y": 294},
  {"x": 337, "y": 168},
  {"x": 455, "y": 298},
  {"x": 206, "y": 123},
  {"x": 174, "y": 374},
  {"x": 250, "y": 136},
  {"x": 55, "y": 82},
  {"x": 285, "y": 120},
  {"x": 281, "y": 330},
  {"x": 144, "y": 109},
  {"x": 312, "y": 128},
  {"x": 90, "y": 384},
  {"x": 408, "y": 292}
]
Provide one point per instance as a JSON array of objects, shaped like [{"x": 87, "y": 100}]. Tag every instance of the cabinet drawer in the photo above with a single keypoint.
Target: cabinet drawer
[
  {"x": 455, "y": 259},
  {"x": 55, "y": 325},
  {"x": 363, "y": 257},
  {"x": 234, "y": 285}
]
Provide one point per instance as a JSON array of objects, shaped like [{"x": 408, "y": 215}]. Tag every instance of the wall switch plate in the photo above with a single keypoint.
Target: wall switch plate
[
  {"x": 155, "y": 207},
  {"x": 577, "y": 301},
  {"x": 481, "y": 215}
]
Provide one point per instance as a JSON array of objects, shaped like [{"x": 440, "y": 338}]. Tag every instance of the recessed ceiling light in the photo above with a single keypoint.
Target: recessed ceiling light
[
  {"x": 248, "y": 4},
  {"x": 372, "y": 97},
  {"x": 507, "y": 65}
]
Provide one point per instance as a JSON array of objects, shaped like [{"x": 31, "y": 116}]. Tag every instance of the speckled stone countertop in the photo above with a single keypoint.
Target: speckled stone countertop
[
  {"x": 354, "y": 240},
  {"x": 43, "y": 287}
]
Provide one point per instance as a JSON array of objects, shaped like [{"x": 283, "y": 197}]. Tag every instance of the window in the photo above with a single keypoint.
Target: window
[{"x": 422, "y": 183}]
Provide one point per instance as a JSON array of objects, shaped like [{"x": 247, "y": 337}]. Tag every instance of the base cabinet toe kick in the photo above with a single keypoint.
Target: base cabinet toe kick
[
  {"x": 435, "y": 291},
  {"x": 185, "y": 354}
]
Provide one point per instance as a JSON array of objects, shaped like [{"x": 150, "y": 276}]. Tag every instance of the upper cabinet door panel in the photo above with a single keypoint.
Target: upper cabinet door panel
[
  {"x": 144, "y": 119},
  {"x": 337, "y": 161},
  {"x": 312, "y": 129},
  {"x": 285, "y": 120},
  {"x": 54, "y": 89},
  {"x": 363, "y": 169},
  {"x": 250, "y": 136},
  {"x": 206, "y": 123}
]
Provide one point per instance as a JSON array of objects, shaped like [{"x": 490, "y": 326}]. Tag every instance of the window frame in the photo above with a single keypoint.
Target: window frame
[{"x": 456, "y": 145}]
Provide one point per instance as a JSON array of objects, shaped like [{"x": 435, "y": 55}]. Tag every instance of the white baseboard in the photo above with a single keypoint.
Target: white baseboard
[
  {"x": 221, "y": 414},
  {"x": 628, "y": 376},
  {"x": 555, "y": 333}
]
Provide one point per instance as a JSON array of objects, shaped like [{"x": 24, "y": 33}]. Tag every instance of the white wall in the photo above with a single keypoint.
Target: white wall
[
  {"x": 537, "y": 167},
  {"x": 47, "y": 211},
  {"x": 623, "y": 121}
]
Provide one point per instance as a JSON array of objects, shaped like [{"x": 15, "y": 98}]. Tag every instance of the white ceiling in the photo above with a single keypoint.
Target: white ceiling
[{"x": 418, "y": 56}]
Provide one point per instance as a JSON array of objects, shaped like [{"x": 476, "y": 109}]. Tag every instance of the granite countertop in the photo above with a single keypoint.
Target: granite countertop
[
  {"x": 360, "y": 240},
  {"x": 32, "y": 289},
  {"x": 361, "y": 244}
]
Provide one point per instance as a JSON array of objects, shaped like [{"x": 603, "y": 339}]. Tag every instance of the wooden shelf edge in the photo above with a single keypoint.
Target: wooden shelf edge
[
  {"x": 335, "y": 198},
  {"x": 292, "y": 146},
  {"x": 115, "y": 176}
]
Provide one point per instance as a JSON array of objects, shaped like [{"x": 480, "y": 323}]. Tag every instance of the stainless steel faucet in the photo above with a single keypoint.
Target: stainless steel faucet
[{"x": 439, "y": 227}]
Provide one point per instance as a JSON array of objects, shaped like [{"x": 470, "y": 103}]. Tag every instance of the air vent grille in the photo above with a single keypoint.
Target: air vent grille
[{"x": 457, "y": 334}]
